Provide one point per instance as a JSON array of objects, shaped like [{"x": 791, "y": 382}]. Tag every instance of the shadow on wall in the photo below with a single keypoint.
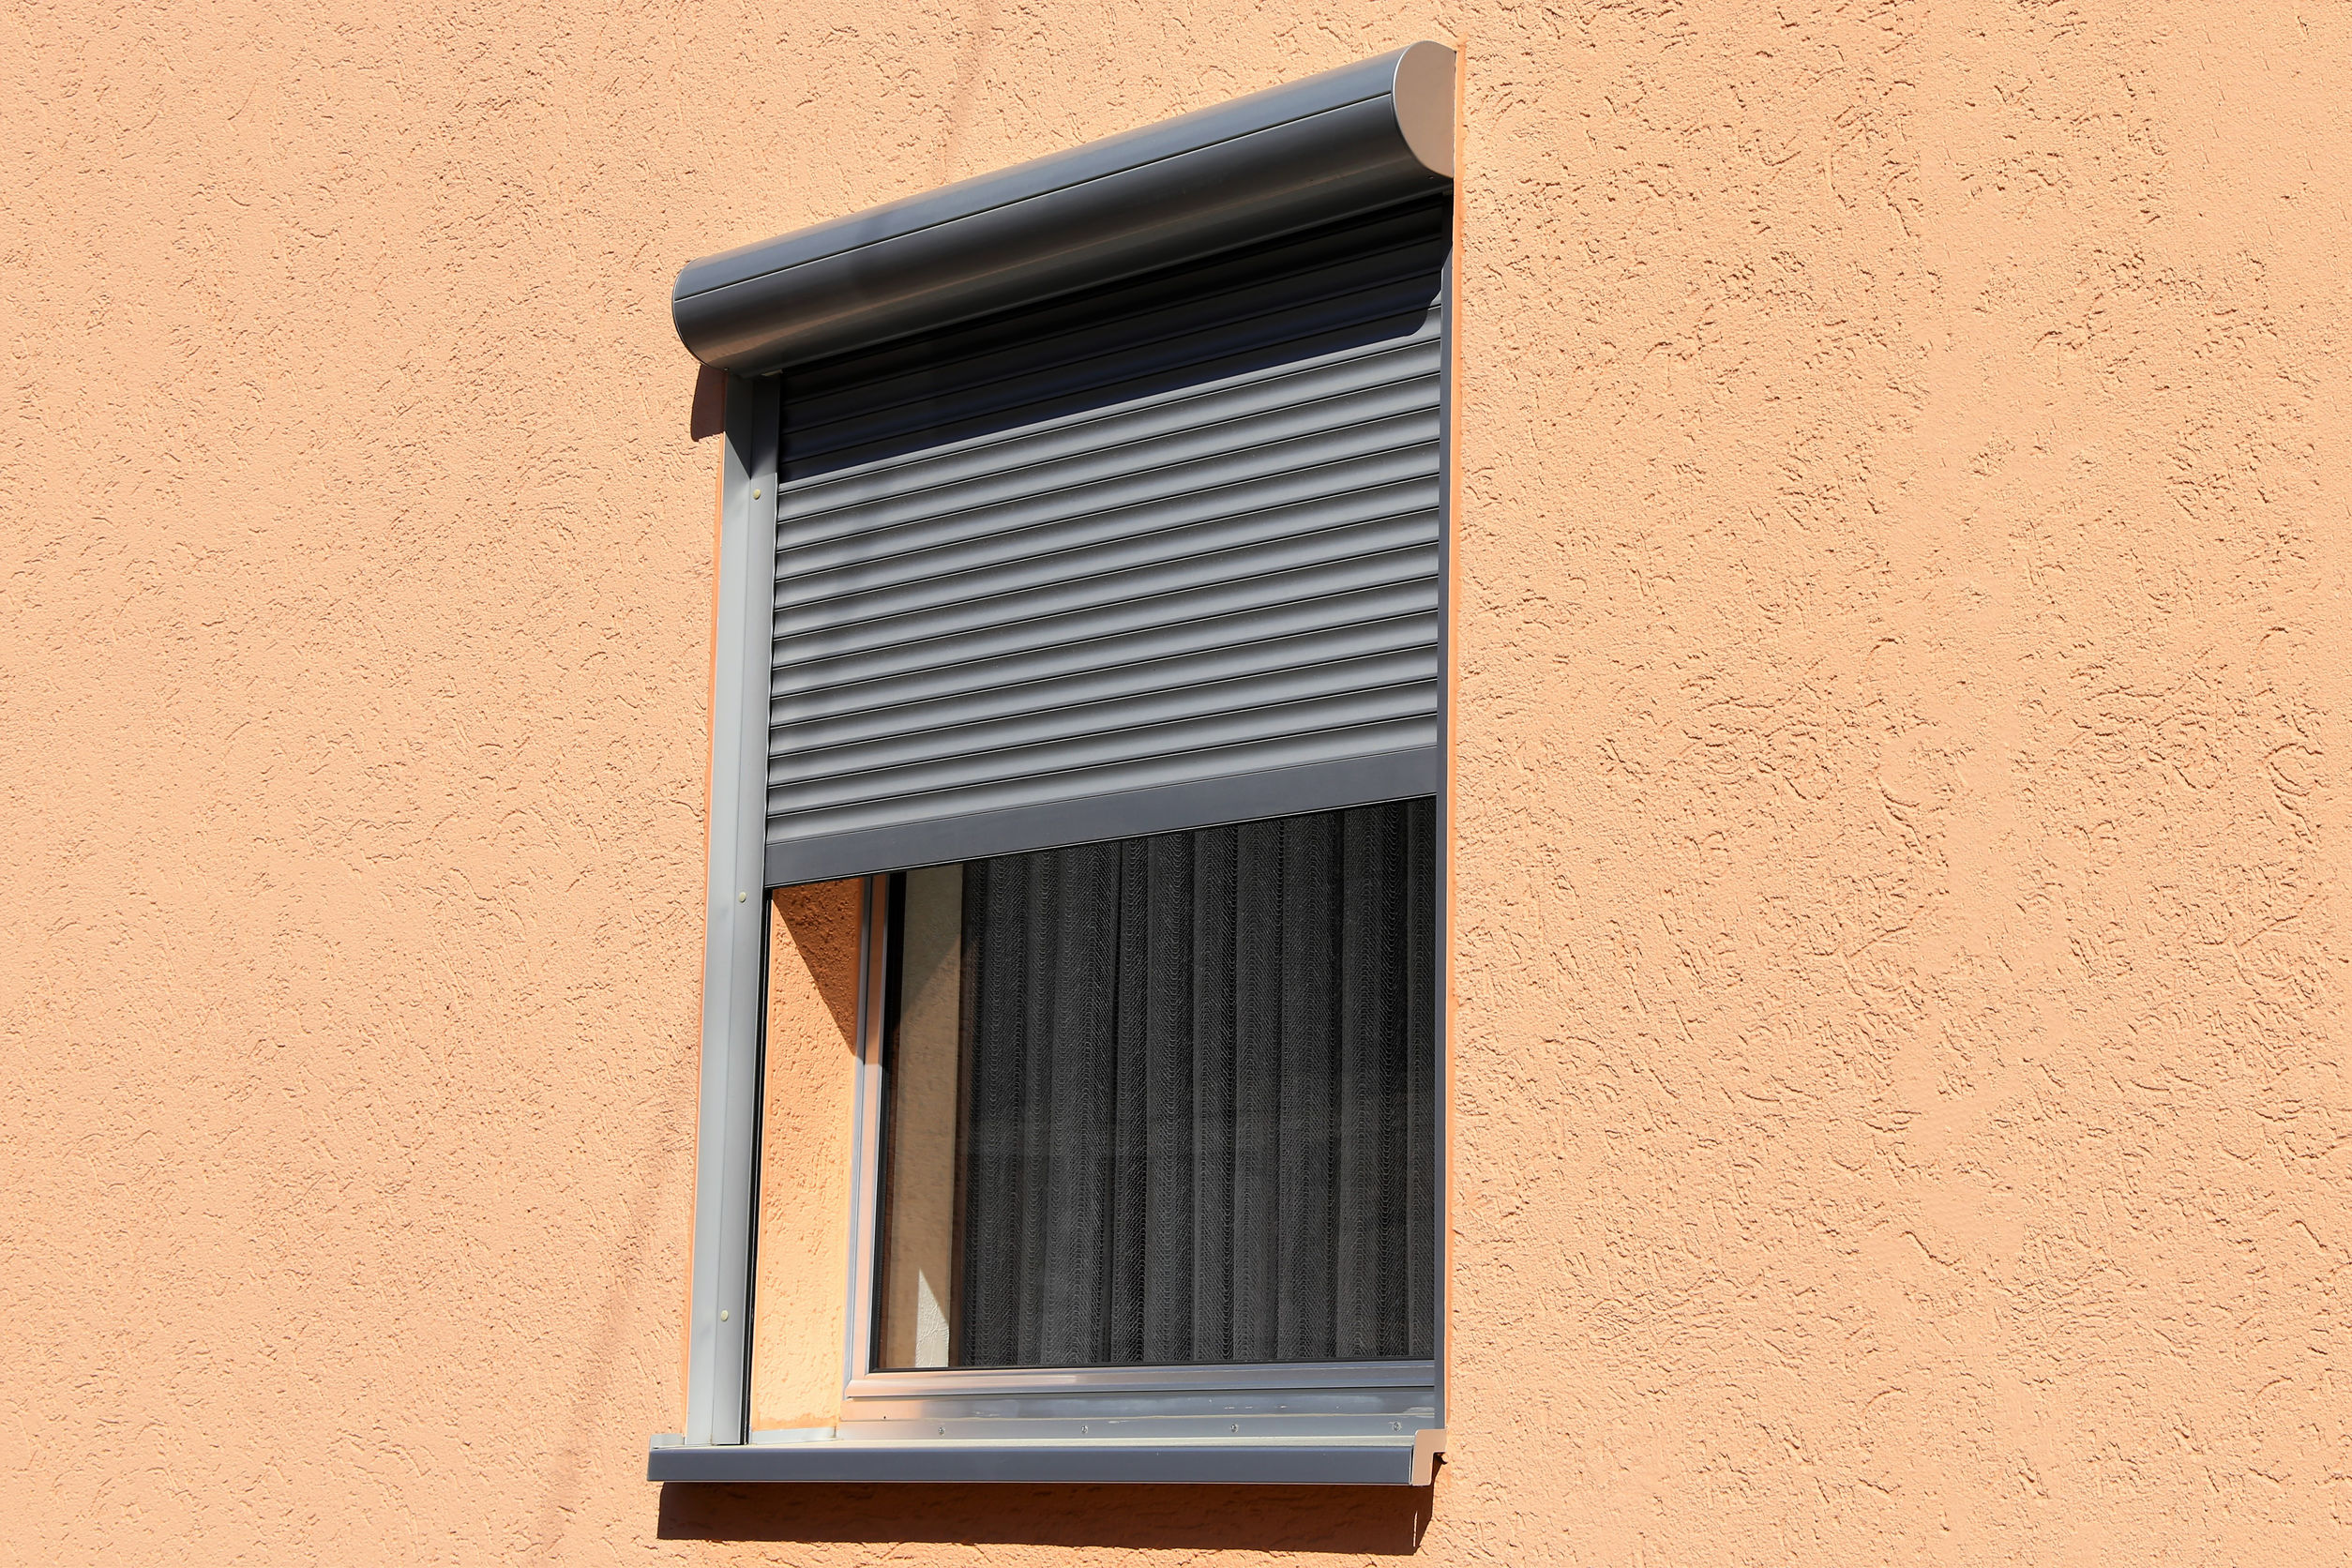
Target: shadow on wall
[
  {"x": 823, "y": 919},
  {"x": 709, "y": 413},
  {"x": 1365, "y": 1521}
]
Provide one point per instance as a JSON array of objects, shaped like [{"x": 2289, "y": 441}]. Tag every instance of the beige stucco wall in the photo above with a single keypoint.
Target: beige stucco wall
[{"x": 1899, "y": 916}]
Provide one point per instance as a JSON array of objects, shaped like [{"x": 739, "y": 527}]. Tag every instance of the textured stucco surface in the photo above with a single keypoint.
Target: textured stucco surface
[
  {"x": 1900, "y": 922},
  {"x": 808, "y": 1143}
]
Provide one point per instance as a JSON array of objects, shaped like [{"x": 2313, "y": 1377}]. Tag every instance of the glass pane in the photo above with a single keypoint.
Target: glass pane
[
  {"x": 919, "y": 1237},
  {"x": 1165, "y": 1100}
]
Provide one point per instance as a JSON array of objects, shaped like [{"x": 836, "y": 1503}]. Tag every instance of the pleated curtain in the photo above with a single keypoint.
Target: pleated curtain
[{"x": 1200, "y": 1082}]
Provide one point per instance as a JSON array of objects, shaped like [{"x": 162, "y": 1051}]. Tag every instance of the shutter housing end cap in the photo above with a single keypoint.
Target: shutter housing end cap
[{"x": 1425, "y": 104}]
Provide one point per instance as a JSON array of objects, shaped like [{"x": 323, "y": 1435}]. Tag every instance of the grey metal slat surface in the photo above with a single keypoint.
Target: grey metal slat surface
[
  {"x": 1295, "y": 501},
  {"x": 1097, "y": 680},
  {"x": 1049, "y": 637},
  {"x": 1328, "y": 391},
  {"x": 1237, "y": 762},
  {"x": 1230, "y": 579},
  {"x": 1349, "y": 274},
  {"x": 1109, "y": 539},
  {"x": 1105, "y": 743},
  {"x": 1159, "y": 705},
  {"x": 1099, "y": 577}
]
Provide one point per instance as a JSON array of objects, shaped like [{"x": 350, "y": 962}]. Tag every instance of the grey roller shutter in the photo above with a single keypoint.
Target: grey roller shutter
[{"x": 1158, "y": 556}]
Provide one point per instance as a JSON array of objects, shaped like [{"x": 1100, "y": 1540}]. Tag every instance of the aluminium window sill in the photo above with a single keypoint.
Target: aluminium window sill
[{"x": 1407, "y": 1459}]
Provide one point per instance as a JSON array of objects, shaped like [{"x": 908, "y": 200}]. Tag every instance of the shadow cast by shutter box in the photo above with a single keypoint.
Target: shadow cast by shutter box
[
  {"x": 1361, "y": 1521},
  {"x": 708, "y": 416}
]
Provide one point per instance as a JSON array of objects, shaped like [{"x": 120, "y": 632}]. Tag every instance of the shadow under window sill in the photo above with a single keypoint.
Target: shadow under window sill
[{"x": 1366, "y": 1521}]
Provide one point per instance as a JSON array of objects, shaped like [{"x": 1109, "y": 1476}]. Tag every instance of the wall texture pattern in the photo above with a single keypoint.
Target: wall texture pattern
[{"x": 1900, "y": 919}]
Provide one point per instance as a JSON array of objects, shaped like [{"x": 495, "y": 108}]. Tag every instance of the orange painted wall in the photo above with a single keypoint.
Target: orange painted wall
[{"x": 1900, "y": 924}]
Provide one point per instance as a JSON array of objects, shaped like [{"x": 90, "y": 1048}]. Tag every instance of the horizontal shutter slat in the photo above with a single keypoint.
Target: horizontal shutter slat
[
  {"x": 1298, "y": 716},
  {"x": 1228, "y": 540},
  {"x": 1401, "y": 670},
  {"x": 1294, "y": 503},
  {"x": 1401, "y": 437},
  {"x": 896, "y": 711},
  {"x": 1259, "y": 755},
  {"x": 1222, "y": 603},
  {"x": 871, "y": 620},
  {"x": 866, "y": 681}
]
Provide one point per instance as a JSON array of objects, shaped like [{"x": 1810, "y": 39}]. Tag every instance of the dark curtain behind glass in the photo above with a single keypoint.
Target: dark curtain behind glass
[{"x": 1200, "y": 1073}]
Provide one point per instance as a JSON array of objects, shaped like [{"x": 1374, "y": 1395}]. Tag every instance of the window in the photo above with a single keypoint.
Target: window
[
  {"x": 1164, "y": 1101},
  {"x": 1081, "y": 590}
]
